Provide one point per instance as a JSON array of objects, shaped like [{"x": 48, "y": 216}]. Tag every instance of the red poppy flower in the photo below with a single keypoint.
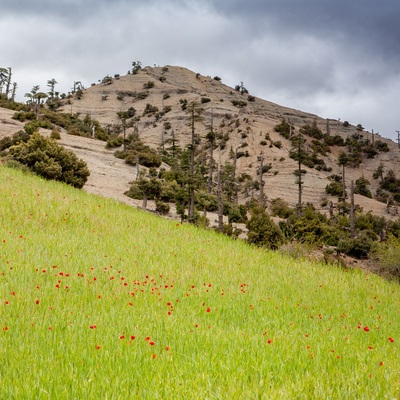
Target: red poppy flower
[
  {"x": 133, "y": 337},
  {"x": 391, "y": 340},
  {"x": 366, "y": 329},
  {"x": 122, "y": 337}
]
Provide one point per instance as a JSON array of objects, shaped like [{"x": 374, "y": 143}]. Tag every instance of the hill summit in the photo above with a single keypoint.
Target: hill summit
[{"x": 245, "y": 124}]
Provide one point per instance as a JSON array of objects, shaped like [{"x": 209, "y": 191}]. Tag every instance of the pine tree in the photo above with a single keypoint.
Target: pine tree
[{"x": 194, "y": 112}]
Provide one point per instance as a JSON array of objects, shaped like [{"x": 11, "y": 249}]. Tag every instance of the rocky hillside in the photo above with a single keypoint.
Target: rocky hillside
[{"x": 246, "y": 123}]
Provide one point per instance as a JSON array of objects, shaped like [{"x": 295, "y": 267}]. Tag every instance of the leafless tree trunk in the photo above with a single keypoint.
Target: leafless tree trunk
[
  {"x": 352, "y": 225},
  {"x": 219, "y": 189},
  {"x": 14, "y": 89},
  {"x": 299, "y": 182},
  {"x": 262, "y": 198},
  {"x": 8, "y": 81}
]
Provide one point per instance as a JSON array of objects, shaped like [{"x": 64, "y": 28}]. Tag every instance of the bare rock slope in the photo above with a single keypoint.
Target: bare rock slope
[{"x": 246, "y": 122}]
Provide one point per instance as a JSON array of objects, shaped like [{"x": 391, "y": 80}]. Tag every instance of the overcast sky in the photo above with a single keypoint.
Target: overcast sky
[{"x": 337, "y": 59}]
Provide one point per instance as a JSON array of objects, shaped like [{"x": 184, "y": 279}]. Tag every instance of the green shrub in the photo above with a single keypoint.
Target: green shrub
[
  {"x": 388, "y": 256},
  {"x": 150, "y": 109},
  {"x": 17, "y": 137},
  {"x": 146, "y": 158},
  {"x": 23, "y": 116},
  {"x": 113, "y": 142},
  {"x": 33, "y": 126},
  {"x": 361, "y": 187},
  {"x": 335, "y": 140},
  {"x": 239, "y": 103},
  {"x": 280, "y": 208},
  {"x": 262, "y": 230},
  {"x": 283, "y": 128},
  {"x": 162, "y": 208},
  {"x": 382, "y": 146},
  {"x": 205, "y": 201},
  {"x": 46, "y": 158},
  {"x": 148, "y": 85},
  {"x": 358, "y": 247},
  {"x": 310, "y": 227},
  {"x": 55, "y": 134}
]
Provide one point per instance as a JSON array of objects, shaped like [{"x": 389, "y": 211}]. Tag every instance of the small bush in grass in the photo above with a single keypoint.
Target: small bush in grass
[
  {"x": 162, "y": 208},
  {"x": 358, "y": 247},
  {"x": 262, "y": 230}
]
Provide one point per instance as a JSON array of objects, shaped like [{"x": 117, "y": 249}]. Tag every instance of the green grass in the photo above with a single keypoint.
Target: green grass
[{"x": 228, "y": 321}]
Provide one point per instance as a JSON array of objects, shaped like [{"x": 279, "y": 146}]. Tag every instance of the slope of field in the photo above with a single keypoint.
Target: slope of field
[{"x": 99, "y": 300}]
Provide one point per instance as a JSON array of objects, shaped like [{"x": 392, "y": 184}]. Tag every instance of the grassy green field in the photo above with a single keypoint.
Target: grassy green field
[{"x": 99, "y": 300}]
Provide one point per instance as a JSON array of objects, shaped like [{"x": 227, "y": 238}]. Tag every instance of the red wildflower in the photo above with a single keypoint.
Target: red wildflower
[
  {"x": 208, "y": 309},
  {"x": 269, "y": 341},
  {"x": 133, "y": 337},
  {"x": 366, "y": 329},
  {"x": 92, "y": 326},
  {"x": 151, "y": 343},
  {"x": 98, "y": 346},
  {"x": 37, "y": 302},
  {"x": 391, "y": 340},
  {"x": 122, "y": 337},
  {"x": 153, "y": 356}
]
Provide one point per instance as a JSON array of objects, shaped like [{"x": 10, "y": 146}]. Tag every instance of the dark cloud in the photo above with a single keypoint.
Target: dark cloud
[{"x": 339, "y": 59}]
